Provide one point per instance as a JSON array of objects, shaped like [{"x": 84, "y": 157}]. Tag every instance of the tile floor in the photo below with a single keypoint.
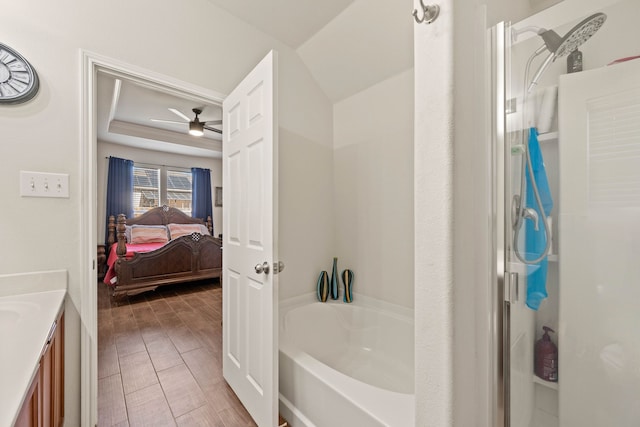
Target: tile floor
[{"x": 160, "y": 359}]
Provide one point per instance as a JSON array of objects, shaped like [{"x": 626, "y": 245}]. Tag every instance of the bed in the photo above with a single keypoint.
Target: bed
[{"x": 160, "y": 247}]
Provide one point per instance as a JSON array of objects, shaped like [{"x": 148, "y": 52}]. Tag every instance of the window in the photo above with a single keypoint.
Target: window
[
  {"x": 154, "y": 186},
  {"x": 146, "y": 189},
  {"x": 179, "y": 190}
]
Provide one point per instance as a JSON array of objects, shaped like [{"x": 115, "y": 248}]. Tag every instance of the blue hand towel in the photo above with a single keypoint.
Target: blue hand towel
[{"x": 536, "y": 241}]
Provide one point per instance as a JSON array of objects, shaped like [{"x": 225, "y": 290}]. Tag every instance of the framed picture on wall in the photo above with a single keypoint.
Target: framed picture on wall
[{"x": 218, "y": 201}]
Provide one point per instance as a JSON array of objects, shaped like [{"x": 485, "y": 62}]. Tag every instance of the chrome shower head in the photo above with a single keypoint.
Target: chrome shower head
[{"x": 561, "y": 46}]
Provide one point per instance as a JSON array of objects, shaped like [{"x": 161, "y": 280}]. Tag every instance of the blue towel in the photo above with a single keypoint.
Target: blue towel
[{"x": 536, "y": 241}]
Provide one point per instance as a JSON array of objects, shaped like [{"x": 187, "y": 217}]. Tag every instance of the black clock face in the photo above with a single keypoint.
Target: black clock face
[{"x": 18, "y": 79}]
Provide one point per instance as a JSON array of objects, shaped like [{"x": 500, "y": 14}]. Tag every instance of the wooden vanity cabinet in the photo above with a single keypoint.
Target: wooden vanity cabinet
[{"x": 44, "y": 403}]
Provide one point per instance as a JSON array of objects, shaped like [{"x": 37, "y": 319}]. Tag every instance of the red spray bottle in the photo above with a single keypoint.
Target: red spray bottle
[{"x": 546, "y": 357}]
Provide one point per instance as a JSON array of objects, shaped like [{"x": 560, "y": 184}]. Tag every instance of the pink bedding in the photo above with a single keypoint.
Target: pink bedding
[{"x": 110, "y": 277}]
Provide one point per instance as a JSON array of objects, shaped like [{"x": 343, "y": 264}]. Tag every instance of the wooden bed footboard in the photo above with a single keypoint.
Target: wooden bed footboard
[{"x": 187, "y": 258}]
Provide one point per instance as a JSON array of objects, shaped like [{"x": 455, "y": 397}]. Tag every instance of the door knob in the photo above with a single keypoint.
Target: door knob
[{"x": 262, "y": 268}]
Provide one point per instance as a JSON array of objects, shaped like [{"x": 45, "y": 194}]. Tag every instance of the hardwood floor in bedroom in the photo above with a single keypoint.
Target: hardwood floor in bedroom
[{"x": 160, "y": 360}]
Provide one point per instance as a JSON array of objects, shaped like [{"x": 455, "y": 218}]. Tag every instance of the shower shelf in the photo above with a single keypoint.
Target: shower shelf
[
  {"x": 548, "y": 384},
  {"x": 548, "y": 137}
]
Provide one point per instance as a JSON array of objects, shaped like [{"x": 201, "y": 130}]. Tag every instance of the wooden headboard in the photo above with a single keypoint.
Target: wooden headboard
[{"x": 162, "y": 215}]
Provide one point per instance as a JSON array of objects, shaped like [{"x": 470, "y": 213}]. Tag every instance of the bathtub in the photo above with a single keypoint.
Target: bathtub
[{"x": 346, "y": 364}]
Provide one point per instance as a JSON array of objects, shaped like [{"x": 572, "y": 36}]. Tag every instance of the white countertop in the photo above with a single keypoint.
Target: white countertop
[{"x": 25, "y": 322}]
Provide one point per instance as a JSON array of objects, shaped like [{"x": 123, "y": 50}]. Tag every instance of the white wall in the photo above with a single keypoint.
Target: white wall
[
  {"x": 306, "y": 224},
  {"x": 433, "y": 164},
  {"x": 106, "y": 149},
  {"x": 371, "y": 40},
  {"x": 472, "y": 233},
  {"x": 373, "y": 186},
  {"x": 191, "y": 41},
  {"x": 514, "y": 10}
]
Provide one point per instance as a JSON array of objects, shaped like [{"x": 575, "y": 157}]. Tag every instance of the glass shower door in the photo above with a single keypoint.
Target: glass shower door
[
  {"x": 517, "y": 321},
  {"x": 531, "y": 191},
  {"x": 581, "y": 132}
]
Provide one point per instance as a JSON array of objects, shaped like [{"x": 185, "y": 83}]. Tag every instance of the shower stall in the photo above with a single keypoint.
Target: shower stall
[{"x": 566, "y": 174}]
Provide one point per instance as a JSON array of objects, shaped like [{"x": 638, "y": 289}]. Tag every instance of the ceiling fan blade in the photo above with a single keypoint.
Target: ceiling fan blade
[
  {"x": 180, "y": 114},
  {"x": 213, "y": 122},
  {"x": 213, "y": 129},
  {"x": 167, "y": 121}
]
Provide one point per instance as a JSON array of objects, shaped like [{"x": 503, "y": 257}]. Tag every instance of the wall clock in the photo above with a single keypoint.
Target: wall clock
[{"x": 18, "y": 80}]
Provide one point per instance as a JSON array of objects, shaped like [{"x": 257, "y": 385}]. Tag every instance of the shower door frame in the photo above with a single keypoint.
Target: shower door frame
[{"x": 501, "y": 280}]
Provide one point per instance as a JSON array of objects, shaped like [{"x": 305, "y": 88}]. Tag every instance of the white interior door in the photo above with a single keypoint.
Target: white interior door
[
  {"x": 599, "y": 235},
  {"x": 250, "y": 179}
]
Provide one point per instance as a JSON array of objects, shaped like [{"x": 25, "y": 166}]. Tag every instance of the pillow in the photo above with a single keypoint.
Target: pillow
[
  {"x": 127, "y": 230},
  {"x": 149, "y": 234},
  {"x": 179, "y": 230}
]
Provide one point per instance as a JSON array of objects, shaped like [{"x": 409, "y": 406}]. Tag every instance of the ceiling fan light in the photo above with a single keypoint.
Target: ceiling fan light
[{"x": 196, "y": 129}]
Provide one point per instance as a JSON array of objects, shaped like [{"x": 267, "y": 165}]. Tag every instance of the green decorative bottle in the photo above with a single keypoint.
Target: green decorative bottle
[{"x": 334, "y": 279}]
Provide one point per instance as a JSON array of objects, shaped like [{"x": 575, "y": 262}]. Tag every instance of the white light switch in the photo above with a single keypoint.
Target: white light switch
[{"x": 42, "y": 184}]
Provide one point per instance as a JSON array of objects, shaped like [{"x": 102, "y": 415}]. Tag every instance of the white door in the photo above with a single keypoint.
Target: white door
[
  {"x": 250, "y": 179},
  {"x": 599, "y": 238}
]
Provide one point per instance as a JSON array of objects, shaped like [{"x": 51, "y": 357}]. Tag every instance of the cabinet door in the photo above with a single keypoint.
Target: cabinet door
[
  {"x": 52, "y": 378},
  {"x": 44, "y": 404},
  {"x": 29, "y": 414},
  {"x": 58, "y": 374},
  {"x": 46, "y": 385}
]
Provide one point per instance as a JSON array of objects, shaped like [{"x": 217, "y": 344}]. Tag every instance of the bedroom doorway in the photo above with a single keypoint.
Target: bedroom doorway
[{"x": 94, "y": 67}]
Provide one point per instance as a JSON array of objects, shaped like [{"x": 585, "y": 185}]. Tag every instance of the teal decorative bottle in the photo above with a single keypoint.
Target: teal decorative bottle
[
  {"x": 334, "y": 279},
  {"x": 347, "y": 280},
  {"x": 322, "y": 287}
]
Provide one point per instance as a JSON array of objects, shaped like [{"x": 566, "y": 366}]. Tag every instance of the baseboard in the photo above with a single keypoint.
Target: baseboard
[{"x": 294, "y": 417}]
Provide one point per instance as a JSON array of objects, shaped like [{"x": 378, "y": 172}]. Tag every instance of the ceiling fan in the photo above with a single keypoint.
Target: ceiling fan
[{"x": 196, "y": 126}]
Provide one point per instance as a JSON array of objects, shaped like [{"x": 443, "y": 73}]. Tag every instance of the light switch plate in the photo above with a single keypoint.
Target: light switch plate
[{"x": 43, "y": 184}]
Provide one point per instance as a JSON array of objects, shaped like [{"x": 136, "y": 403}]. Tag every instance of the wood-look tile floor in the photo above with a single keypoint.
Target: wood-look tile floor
[{"x": 160, "y": 359}]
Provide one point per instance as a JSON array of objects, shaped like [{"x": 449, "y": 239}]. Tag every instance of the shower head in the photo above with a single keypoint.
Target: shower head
[
  {"x": 561, "y": 46},
  {"x": 575, "y": 37}
]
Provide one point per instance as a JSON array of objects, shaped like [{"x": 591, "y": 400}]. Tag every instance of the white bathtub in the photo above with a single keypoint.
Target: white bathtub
[{"x": 346, "y": 364}]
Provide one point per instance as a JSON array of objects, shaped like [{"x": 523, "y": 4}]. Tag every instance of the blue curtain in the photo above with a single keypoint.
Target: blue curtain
[
  {"x": 201, "y": 193},
  {"x": 119, "y": 190}
]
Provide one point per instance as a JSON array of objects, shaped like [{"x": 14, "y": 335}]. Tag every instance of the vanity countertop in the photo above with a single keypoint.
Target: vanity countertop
[{"x": 25, "y": 322}]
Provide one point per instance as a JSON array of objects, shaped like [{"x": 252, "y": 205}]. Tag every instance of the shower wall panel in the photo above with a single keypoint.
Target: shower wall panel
[
  {"x": 599, "y": 349},
  {"x": 373, "y": 189}
]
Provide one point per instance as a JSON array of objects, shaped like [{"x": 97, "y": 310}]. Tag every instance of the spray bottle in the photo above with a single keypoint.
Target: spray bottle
[{"x": 546, "y": 357}]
